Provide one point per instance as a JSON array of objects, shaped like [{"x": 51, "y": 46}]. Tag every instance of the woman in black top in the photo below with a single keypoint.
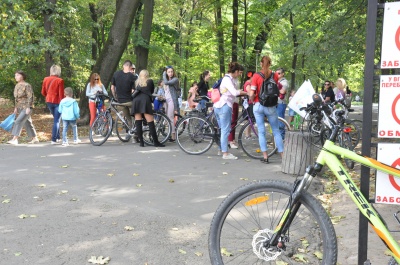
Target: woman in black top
[
  {"x": 141, "y": 105},
  {"x": 203, "y": 88}
]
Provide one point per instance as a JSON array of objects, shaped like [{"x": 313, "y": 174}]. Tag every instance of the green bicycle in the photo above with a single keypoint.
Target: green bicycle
[{"x": 276, "y": 222}]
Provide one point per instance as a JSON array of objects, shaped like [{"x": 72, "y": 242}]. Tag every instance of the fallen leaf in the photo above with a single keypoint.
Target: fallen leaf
[
  {"x": 198, "y": 254},
  {"x": 279, "y": 262},
  {"x": 63, "y": 192},
  {"x": 300, "y": 257},
  {"x": 171, "y": 180},
  {"x": 99, "y": 260},
  {"x": 17, "y": 254},
  {"x": 244, "y": 179},
  {"x": 319, "y": 255},
  {"x": 23, "y": 216},
  {"x": 65, "y": 166},
  {"x": 139, "y": 185},
  {"x": 128, "y": 228},
  {"x": 6, "y": 201},
  {"x": 182, "y": 251},
  {"x": 225, "y": 252},
  {"x": 336, "y": 219},
  {"x": 110, "y": 174},
  {"x": 224, "y": 173},
  {"x": 135, "y": 174},
  {"x": 33, "y": 216},
  {"x": 42, "y": 185},
  {"x": 247, "y": 160},
  {"x": 175, "y": 229}
]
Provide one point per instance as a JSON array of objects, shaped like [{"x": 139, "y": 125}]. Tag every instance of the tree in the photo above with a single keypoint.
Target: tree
[{"x": 143, "y": 41}]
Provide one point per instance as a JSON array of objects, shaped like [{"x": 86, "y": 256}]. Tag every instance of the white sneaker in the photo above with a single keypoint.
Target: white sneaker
[
  {"x": 219, "y": 153},
  {"x": 52, "y": 142},
  {"x": 233, "y": 146},
  {"x": 77, "y": 141},
  {"x": 65, "y": 144},
  {"x": 230, "y": 156},
  {"x": 13, "y": 142}
]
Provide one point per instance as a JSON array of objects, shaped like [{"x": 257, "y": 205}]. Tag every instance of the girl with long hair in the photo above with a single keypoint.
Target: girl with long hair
[{"x": 93, "y": 87}]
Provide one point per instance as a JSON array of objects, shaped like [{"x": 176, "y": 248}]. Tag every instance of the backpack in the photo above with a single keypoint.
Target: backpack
[
  {"x": 216, "y": 93},
  {"x": 269, "y": 91}
]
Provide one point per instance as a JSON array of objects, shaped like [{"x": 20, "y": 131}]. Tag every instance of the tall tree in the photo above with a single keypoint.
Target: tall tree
[
  {"x": 143, "y": 42},
  {"x": 48, "y": 27},
  {"x": 220, "y": 36},
  {"x": 235, "y": 26}
]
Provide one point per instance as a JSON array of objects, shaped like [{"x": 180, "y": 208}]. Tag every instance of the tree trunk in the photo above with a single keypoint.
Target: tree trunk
[
  {"x": 259, "y": 44},
  {"x": 48, "y": 28},
  {"x": 114, "y": 47},
  {"x": 220, "y": 37},
  {"x": 235, "y": 25},
  {"x": 294, "y": 60},
  {"x": 95, "y": 35},
  {"x": 142, "y": 51}
]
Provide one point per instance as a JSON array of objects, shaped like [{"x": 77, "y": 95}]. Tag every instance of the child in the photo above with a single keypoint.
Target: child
[
  {"x": 192, "y": 94},
  {"x": 69, "y": 110}
]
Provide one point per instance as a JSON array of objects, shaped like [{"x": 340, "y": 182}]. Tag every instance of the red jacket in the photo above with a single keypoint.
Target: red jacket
[{"x": 53, "y": 89}]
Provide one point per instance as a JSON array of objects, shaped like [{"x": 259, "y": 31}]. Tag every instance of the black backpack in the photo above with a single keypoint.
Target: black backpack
[{"x": 269, "y": 91}]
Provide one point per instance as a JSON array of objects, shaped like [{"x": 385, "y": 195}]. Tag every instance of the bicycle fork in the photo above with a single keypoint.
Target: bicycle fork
[{"x": 278, "y": 239}]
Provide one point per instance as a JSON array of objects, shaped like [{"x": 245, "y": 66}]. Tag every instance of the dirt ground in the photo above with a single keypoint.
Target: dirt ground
[{"x": 341, "y": 208}]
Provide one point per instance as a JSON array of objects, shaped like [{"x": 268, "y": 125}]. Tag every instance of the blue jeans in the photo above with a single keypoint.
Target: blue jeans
[
  {"x": 224, "y": 116},
  {"x": 202, "y": 104},
  {"x": 55, "y": 132},
  {"x": 74, "y": 130},
  {"x": 272, "y": 115},
  {"x": 281, "y": 113},
  {"x": 157, "y": 105}
]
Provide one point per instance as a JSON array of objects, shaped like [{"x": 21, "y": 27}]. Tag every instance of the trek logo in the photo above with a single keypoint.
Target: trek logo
[{"x": 357, "y": 195}]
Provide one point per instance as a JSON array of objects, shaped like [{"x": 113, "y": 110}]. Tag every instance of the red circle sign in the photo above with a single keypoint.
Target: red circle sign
[
  {"x": 392, "y": 178},
  {"x": 397, "y": 38},
  {"x": 396, "y": 118}
]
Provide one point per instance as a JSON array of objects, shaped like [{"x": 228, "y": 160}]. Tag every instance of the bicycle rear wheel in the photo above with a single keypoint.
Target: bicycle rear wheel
[
  {"x": 163, "y": 129},
  {"x": 354, "y": 132},
  {"x": 198, "y": 136},
  {"x": 122, "y": 129},
  {"x": 248, "y": 217},
  {"x": 101, "y": 128}
]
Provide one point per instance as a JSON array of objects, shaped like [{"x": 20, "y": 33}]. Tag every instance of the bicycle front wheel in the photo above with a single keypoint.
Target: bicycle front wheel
[
  {"x": 198, "y": 136},
  {"x": 101, "y": 128},
  {"x": 247, "y": 218}
]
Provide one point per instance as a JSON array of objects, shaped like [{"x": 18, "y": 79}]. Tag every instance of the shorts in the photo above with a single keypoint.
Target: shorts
[{"x": 292, "y": 113}]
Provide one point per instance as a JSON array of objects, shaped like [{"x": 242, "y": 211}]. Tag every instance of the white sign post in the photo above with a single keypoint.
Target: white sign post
[
  {"x": 391, "y": 36},
  {"x": 389, "y": 107},
  {"x": 388, "y": 186}
]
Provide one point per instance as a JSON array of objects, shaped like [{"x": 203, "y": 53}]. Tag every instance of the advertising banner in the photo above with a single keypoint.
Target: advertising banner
[
  {"x": 389, "y": 107},
  {"x": 391, "y": 36},
  {"x": 388, "y": 186}
]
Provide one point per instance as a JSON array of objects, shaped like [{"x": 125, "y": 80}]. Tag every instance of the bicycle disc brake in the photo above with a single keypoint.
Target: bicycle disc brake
[{"x": 260, "y": 250}]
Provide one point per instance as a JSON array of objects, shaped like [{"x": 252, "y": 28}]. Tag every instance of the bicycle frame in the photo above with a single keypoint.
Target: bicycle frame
[{"x": 329, "y": 156}]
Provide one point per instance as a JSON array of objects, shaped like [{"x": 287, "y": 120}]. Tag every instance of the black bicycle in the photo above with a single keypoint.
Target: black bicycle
[{"x": 101, "y": 128}]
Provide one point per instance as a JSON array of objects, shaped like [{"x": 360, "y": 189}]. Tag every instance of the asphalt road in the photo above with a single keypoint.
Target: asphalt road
[
  {"x": 79, "y": 201},
  {"x": 82, "y": 197}
]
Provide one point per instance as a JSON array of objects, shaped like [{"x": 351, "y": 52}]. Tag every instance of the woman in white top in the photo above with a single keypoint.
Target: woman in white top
[
  {"x": 93, "y": 87},
  {"x": 223, "y": 108}
]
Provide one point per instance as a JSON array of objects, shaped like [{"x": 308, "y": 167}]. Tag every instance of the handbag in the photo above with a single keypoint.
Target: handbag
[{"x": 7, "y": 124}]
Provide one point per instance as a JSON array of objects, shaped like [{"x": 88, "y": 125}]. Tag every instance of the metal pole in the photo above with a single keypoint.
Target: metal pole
[{"x": 367, "y": 123}]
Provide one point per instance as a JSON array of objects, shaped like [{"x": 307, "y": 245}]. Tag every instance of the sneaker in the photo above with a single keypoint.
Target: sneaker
[
  {"x": 135, "y": 140},
  {"x": 34, "y": 141},
  {"x": 65, "y": 144},
  {"x": 52, "y": 142},
  {"x": 219, "y": 153},
  {"x": 13, "y": 142},
  {"x": 233, "y": 146},
  {"x": 77, "y": 141},
  {"x": 230, "y": 156}
]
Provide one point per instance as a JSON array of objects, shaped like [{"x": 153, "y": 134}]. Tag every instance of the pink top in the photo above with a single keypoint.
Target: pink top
[{"x": 228, "y": 92}]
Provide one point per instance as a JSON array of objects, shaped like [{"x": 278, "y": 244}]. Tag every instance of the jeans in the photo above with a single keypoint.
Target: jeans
[
  {"x": 157, "y": 105},
  {"x": 272, "y": 115},
  {"x": 224, "y": 116},
  {"x": 74, "y": 130},
  {"x": 202, "y": 104},
  {"x": 281, "y": 113},
  {"x": 55, "y": 132}
]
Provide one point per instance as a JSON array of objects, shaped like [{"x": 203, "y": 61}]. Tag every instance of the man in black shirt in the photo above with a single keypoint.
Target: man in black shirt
[
  {"x": 329, "y": 95},
  {"x": 122, "y": 86}
]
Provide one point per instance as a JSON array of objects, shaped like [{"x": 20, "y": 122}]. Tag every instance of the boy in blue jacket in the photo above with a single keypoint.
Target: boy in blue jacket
[{"x": 69, "y": 110}]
